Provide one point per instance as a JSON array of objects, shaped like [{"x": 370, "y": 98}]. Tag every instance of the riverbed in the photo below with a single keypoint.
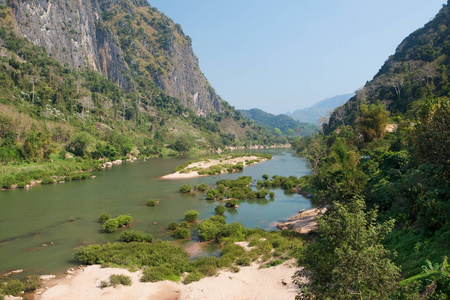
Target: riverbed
[{"x": 40, "y": 227}]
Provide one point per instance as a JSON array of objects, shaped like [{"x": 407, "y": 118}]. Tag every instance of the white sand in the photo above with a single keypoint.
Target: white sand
[
  {"x": 208, "y": 163},
  {"x": 250, "y": 283}
]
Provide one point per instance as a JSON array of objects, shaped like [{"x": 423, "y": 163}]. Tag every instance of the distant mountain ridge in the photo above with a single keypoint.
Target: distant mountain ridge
[
  {"x": 282, "y": 122},
  {"x": 319, "y": 110}
]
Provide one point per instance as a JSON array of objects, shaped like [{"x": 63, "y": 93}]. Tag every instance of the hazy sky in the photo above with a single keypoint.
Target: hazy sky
[{"x": 284, "y": 55}]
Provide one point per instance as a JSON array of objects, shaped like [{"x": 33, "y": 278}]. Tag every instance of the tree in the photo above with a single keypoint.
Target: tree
[
  {"x": 347, "y": 260},
  {"x": 372, "y": 121},
  {"x": 191, "y": 216}
]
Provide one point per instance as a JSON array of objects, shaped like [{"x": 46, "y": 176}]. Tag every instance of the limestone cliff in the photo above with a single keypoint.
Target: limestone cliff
[{"x": 127, "y": 41}]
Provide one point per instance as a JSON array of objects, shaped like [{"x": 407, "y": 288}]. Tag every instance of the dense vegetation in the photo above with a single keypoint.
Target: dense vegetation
[
  {"x": 401, "y": 174},
  {"x": 280, "y": 124}
]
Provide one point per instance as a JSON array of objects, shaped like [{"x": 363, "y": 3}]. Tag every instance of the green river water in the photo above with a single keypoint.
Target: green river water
[{"x": 42, "y": 215}]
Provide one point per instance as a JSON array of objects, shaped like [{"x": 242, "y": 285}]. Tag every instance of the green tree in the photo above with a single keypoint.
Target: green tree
[
  {"x": 191, "y": 215},
  {"x": 372, "y": 121},
  {"x": 347, "y": 260}
]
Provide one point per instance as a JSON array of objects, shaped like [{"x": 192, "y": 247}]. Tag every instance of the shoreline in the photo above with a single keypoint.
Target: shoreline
[{"x": 251, "y": 282}]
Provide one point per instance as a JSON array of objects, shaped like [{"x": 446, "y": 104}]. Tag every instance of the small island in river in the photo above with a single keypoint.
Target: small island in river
[{"x": 227, "y": 163}]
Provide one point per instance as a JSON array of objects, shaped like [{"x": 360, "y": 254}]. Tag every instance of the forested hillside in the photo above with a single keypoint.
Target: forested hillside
[
  {"x": 417, "y": 70},
  {"x": 383, "y": 170},
  {"x": 285, "y": 124},
  {"x": 50, "y": 111}
]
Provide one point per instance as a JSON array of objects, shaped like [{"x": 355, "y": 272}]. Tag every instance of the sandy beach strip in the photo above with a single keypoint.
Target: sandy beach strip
[
  {"x": 209, "y": 163},
  {"x": 249, "y": 283}
]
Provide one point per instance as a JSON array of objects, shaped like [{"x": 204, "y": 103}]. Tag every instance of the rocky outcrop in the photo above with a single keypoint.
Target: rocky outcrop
[
  {"x": 304, "y": 222},
  {"x": 70, "y": 32},
  {"x": 78, "y": 34}
]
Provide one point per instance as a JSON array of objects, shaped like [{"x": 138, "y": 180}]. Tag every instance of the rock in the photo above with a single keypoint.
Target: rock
[
  {"x": 304, "y": 222},
  {"x": 17, "y": 271},
  {"x": 117, "y": 162},
  {"x": 70, "y": 271},
  {"x": 47, "y": 277}
]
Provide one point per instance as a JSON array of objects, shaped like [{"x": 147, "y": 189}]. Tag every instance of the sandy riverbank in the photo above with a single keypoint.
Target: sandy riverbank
[
  {"x": 250, "y": 283},
  {"x": 202, "y": 165}
]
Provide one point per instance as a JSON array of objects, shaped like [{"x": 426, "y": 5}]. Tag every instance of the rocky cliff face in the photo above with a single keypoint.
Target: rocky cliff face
[{"x": 127, "y": 41}]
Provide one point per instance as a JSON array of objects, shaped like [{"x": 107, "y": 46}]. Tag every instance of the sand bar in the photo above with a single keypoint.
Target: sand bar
[
  {"x": 250, "y": 283},
  {"x": 209, "y": 163}
]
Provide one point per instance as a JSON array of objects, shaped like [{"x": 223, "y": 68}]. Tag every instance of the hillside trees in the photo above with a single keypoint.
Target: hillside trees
[
  {"x": 347, "y": 260},
  {"x": 371, "y": 121}
]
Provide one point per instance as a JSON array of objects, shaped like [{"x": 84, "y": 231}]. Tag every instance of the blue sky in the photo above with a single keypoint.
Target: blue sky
[{"x": 284, "y": 55}]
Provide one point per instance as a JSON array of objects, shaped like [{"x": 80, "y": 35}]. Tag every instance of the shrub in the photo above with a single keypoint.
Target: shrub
[
  {"x": 152, "y": 202},
  {"x": 21, "y": 185},
  {"x": 173, "y": 226},
  {"x": 103, "y": 284},
  {"x": 13, "y": 287},
  {"x": 136, "y": 236},
  {"x": 211, "y": 194},
  {"x": 181, "y": 233},
  {"x": 104, "y": 217},
  {"x": 185, "y": 188},
  {"x": 33, "y": 283},
  {"x": 154, "y": 274},
  {"x": 184, "y": 224},
  {"x": 202, "y": 187},
  {"x": 221, "y": 188},
  {"x": 220, "y": 209},
  {"x": 231, "y": 203},
  {"x": 116, "y": 279},
  {"x": 191, "y": 216},
  {"x": 265, "y": 177},
  {"x": 124, "y": 220},
  {"x": 244, "y": 261},
  {"x": 271, "y": 194},
  {"x": 47, "y": 181},
  {"x": 193, "y": 276},
  {"x": 110, "y": 225}
]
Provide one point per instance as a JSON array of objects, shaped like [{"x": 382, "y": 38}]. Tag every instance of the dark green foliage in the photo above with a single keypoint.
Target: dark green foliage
[
  {"x": 347, "y": 261},
  {"x": 181, "y": 233},
  {"x": 211, "y": 194},
  {"x": 193, "y": 276},
  {"x": 124, "y": 220},
  {"x": 202, "y": 187},
  {"x": 135, "y": 254},
  {"x": 104, "y": 217},
  {"x": 158, "y": 273},
  {"x": 12, "y": 287},
  {"x": 371, "y": 121},
  {"x": 220, "y": 209},
  {"x": 117, "y": 279},
  {"x": 152, "y": 202},
  {"x": 191, "y": 216},
  {"x": 110, "y": 225},
  {"x": 33, "y": 283},
  {"x": 185, "y": 188},
  {"x": 172, "y": 226},
  {"x": 136, "y": 236}
]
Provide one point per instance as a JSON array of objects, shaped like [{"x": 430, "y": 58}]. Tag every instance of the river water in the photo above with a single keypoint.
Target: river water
[{"x": 40, "y": 227}]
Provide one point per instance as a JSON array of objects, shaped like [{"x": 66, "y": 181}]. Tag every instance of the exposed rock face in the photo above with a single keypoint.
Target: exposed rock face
[
  {"x": 75, "y": 33},
  {"x": 67, "y": 30}
]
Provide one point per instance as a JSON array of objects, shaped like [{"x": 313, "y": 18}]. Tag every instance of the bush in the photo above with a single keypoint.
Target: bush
[
  {"x": 136, "y": 236},
  {"x": 48, "y": 181},
  {"x": 193, "y": 276},
  {"x": 220, "y": 209},
  {"x": 181, "y": 233},
  {"x": 211, "y": 194},
  {"x": 124, "y": 220},
  {"x": 231, "y": 203},
  {"x": 221, "y": 188},
  {"x": 185, "y": 188},
  {"x": 154, "y": 274},
  {"x": 104, "y": 217},
  {"x": 191, "y": 216},
  {"x": 119, "y": 279},
  {"x": 110, "y": 225},
  {"x": 13, "y": 287},
  {"x": 33, "y": 283},
  {"x": 173, "y": 226},
  {"x": 152, "y": 202},
  {"x": 184, "y": 224},
  {"x": 202, "y": 187},
  {"x": 244, "y": 261}
]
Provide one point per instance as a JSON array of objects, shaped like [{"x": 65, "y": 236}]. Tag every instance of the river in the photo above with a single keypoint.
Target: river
[{"x": 40, "y": 227}]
